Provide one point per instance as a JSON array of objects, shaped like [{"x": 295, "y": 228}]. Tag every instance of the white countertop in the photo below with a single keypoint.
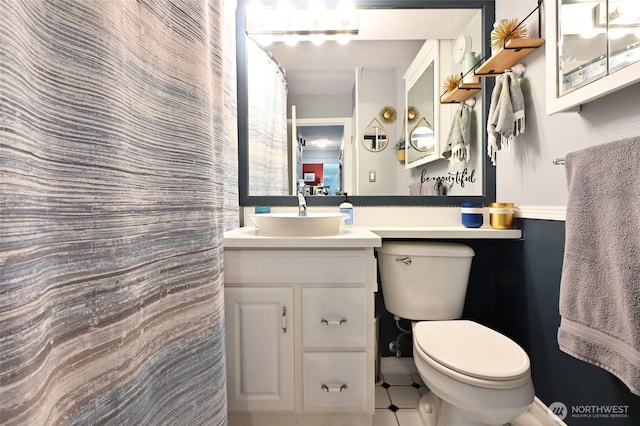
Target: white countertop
[
  {"x": 358, "y": 237},
  {"x": 249, "y": 237},
  {"x": 457, "y": 232}
]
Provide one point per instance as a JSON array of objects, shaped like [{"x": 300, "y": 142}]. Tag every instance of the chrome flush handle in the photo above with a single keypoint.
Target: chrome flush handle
[{"x": 405, "y": 260}]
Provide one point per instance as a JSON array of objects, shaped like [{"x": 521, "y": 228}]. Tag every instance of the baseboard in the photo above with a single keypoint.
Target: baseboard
[
  {"x": 543, "y": 414},
  {"x": 542, "y": 212},
  {"x": 293, "y": 419}
]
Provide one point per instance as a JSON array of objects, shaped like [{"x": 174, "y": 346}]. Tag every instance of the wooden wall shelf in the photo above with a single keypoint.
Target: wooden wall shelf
[
  {"x": 461, "y": 93},
  {"x": 513, "y": 52},
  {"x": 506, "y": 57}
]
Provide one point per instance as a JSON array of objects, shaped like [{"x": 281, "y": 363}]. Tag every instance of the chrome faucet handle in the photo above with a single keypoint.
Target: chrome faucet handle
[
  {"x": 302, "y": 202},
  {"x": 302, "y": 205}
]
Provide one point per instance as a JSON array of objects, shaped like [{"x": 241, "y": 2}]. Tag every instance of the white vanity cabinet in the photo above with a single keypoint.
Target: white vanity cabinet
[{"x": 300, "y": 328}]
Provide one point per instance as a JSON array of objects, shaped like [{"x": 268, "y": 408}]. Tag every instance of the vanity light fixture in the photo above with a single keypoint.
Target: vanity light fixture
[
  {"x": 628, "y": 9},
  {"x": 290, "y": 40},
  {"x": 317, "y": 39},
  {"x": 623, "y": 14},
  {"x": 315, "y": 23},
  {"x": 622, "y": 18}
]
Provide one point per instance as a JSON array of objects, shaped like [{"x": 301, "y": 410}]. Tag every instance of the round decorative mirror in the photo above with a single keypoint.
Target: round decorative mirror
[
  {"x": 421, "y": 137},
  {"x": 375, "y": 137}
]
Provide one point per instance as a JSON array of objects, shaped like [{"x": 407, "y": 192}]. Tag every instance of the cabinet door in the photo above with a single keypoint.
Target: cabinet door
[{"x": 259, "y": 337}]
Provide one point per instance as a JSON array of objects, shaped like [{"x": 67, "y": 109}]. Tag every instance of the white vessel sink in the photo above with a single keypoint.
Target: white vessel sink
[{"x": 292, "y": 225}]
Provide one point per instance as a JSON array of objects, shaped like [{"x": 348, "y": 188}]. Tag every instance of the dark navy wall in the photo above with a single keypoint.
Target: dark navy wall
[
  {"x": 479, "y": 304},
  {"x": 514, "y": 288},
  {"x": 527, "y": 289}
]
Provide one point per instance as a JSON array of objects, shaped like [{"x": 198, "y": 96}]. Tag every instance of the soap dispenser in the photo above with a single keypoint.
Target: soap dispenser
[{"x": 347, "y": 208}]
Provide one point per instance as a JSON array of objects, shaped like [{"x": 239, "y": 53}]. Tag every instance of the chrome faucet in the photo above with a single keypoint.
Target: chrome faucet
[{"x": 302, "y": 203}]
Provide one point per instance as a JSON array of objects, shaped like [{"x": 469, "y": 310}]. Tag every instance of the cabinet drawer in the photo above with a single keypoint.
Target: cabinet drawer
[
  {"x": 334, "y": 317},
  {"x": 294, "y": 267},
  {"x": 335, "y": 381}
]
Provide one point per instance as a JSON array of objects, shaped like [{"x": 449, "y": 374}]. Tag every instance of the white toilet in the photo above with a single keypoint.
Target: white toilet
[{"x": 476, "y": 375}]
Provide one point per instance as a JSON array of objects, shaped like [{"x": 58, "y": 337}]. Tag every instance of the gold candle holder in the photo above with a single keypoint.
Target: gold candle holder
[{"x": 501, "y": 215}]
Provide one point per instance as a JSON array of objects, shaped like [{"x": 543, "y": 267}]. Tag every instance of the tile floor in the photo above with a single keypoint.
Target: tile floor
[{"x": 398, "y": 394}]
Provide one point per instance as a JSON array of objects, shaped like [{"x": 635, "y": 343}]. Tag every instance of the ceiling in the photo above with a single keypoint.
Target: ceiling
[{"x": 333, "y": 135}]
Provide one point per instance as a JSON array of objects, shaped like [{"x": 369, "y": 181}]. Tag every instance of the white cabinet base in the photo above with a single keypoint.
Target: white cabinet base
[{"x": 300, "y": 329}]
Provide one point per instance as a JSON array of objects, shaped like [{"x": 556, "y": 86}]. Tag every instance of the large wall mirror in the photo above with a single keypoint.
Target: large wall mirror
[{"x": 352, "y": 83}]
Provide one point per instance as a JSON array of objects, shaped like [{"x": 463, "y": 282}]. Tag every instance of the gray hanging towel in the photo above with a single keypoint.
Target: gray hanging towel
[
  {"x": 506, "y": 114},
  {"x": 600, "y": 286},
  {"x": 458, "y": 146}
]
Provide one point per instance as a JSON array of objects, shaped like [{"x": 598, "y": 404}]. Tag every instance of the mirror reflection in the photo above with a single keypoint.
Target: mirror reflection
[
  {"x": 320, "y": 163},
  {"x": 422, "y": 85},
  {"x": 267, "y": 124},
  {"x": 431, "y": 169},
  {"x": 596, "y": 38},
  {"x": 375, "y": 138},
  {"x": 421, "y": 137},
  {"x": 346, "y": 81}
]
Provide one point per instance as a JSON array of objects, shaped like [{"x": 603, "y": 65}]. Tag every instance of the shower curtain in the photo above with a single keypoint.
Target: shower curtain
[
  {"x": 267, "y": 124},
  {"x": 117, "y": 179}
]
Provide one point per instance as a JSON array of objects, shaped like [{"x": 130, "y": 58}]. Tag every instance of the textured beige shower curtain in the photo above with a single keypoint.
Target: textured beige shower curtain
[{"x": 117, "y": 179}]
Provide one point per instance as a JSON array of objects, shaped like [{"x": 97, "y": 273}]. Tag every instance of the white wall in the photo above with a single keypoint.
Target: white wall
[
  {"x": 321, "y": 106},
  {"x": 526, "y": 175},
  {"x": 377, "y": 88}
]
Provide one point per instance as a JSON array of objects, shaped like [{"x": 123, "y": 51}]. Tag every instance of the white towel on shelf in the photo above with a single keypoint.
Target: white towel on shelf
[
  {"x": 506, "y": 114},
  {"x": 600, "y": 286}
]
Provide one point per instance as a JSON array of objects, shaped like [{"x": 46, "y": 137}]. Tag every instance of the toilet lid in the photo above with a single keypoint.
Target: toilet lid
[
  {"x": 426, "y": 248},
  {"x": 472, "y": 349}
]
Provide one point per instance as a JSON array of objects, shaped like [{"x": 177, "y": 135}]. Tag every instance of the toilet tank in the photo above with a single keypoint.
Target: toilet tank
[{"x": 424, "y": 280}]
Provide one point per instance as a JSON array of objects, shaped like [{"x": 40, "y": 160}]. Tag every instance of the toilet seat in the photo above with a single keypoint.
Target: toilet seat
[{"x": 472, "y": 353}]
